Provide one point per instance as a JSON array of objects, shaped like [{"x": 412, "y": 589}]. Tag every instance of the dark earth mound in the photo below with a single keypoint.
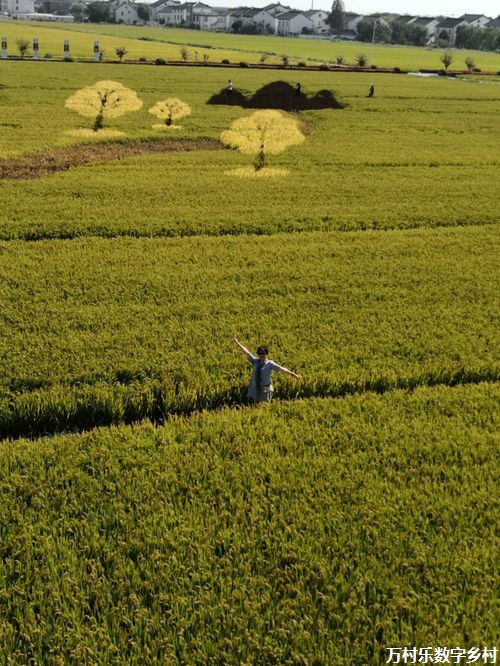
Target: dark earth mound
[{"x": 278, "y": 95}]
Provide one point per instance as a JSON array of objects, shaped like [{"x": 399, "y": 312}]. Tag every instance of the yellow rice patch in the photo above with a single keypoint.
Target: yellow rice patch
[
  {"x": 249, "y": 172},
  {"x": 83, "y": 133}
]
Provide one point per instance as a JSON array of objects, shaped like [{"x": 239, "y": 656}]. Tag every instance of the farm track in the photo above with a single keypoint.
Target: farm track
[
  {"x": 33, "y": 236},
  {"x": 43, "y": 164},
  {"x": 136, "y": 399}
]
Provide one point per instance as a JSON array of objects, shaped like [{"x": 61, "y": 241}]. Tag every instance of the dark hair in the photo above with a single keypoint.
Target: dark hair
[{"x": 262, "y": 350}]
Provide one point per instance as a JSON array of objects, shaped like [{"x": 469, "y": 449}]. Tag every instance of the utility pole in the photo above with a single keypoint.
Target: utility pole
[{"x": 373, "y": 40}]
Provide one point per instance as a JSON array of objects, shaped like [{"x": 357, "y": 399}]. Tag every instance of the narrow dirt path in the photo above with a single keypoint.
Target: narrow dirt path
[{"x": 48, "y": 162}]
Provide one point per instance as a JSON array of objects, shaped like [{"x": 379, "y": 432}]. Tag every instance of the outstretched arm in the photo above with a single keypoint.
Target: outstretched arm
[
  {"x": 289, "y": 372},
  {"x": 245, "y": 351}
]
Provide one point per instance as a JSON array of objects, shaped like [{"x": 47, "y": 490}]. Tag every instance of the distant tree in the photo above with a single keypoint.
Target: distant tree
[
  {"x": 237, "y": 26},
  {"x": 22, "y": 46},
  {"x": 170, "y": 109},
  {"x": 184, "y": 51},
  {"x": 398, "y": 32},
  {"x": 99, "y": 12},
  {"x": 78, "y": 10},
  {"x": 485, "y": 39},
  {"x": 121, "y": 52},
  {"x": 446, "y": 58},
  {"x": 417, "y": 35},
  {"x": 408, "y": 33},
  {"x": 143, "y": 12},
  {"x": 370, "y": 28},
  {"x": 463, "y": 36},
  {"x": 336, "y": 18},
  {"x": 103, "y": 100},
  {"x": 263, "y": 133}
]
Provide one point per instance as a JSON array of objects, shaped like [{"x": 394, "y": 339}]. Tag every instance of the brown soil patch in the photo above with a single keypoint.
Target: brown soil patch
[
  {"x": 279, "y": 95},
  {"x": 39, "y": 165}
]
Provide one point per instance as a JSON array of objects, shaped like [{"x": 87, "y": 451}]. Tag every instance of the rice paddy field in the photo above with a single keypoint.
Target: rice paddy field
[
  {"x": 149, "y": 43},
  {"x": 149, "y": 515}
]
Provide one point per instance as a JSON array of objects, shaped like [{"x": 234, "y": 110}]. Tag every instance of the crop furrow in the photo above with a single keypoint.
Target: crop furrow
[
  {"x": 64, "y": 408},
  {"x": 324, "y": 224}
]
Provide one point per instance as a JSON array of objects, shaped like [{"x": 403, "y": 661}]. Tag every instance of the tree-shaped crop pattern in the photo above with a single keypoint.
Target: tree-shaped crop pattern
[
  {"x": 170, "y": 109},
  {"x": 103, "y": 100},
  {"x": 263, "y": 133}
]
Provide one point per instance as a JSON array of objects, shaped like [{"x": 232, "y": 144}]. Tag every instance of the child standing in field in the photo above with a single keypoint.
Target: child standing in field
[{"x": 260, "y": 388}]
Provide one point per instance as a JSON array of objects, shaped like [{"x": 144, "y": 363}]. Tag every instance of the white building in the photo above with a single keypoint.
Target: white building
[
  {"x": 351, "y": 20},
  {"x": 318, "y": 18},
  {"x": 428, "y": 23},
  {"x": 17, "y": 7},
  {"x": 475, "y": 20},
  {"x": 208, "y": 18},
  {"x": 251, "y": 16},
  {"x": 446, "y": 29},
  {"x": 292, "y": 23},
  {"x": 162, "y": 6}
]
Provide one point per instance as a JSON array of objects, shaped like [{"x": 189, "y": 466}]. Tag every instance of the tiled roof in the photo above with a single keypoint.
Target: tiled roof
[{"x": 449, "y": 22}]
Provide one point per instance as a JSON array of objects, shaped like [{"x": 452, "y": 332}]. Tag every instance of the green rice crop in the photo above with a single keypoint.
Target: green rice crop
[
  {"x": 358, "y": 511},
  {"x": 103, "y": 331},
  {"x": 410, "y": 157},
  {"x": 316, "y": 532}
]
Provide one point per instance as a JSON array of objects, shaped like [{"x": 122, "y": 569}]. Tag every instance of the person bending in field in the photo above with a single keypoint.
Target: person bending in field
[{"x": 260, "y": 388}]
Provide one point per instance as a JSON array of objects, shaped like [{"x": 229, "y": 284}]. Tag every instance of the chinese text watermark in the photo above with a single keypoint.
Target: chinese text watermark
[{"x": 441, "y": 655}]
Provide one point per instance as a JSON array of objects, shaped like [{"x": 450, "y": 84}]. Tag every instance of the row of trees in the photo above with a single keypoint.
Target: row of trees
[
  {"x": 483, "y": 39},
  {"x": 400, "y": 32},
  {"x": 369, "y": 29},
  {"x": 395, "y": 32}
]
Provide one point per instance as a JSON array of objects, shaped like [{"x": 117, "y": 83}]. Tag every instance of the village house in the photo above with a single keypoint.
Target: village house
[
  {"x": 446, "y": 29},
  {"x": 494, "y": 24},
  {"x": 428, "y": 23},
  {"x": 351, "y": 20},
  {"x": 318, "y": 18},
  {"x": 292, "y": 23},
  {"x": 475, "y": 20},
  {"x": 125, "y": 11},
  {"x": 160, "y": 6},
  {"x": 17, "y": 8},
  {"x": 252, "y": 16},
  {"x": 215, "y": 19}
]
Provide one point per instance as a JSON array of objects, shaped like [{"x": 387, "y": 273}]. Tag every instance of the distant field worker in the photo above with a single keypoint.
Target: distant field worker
[
  {"x": 260, "y": 388},
  {"x": 229, "y": 87},
  {"x": 371, "y": 92}
]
